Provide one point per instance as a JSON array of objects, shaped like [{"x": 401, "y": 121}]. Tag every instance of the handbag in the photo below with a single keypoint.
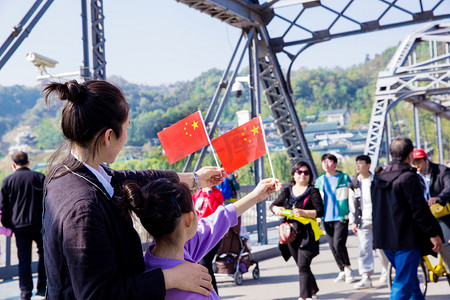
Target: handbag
[
  {"x": 287, "y": 233},
  {"x": 438, "y": 210}
]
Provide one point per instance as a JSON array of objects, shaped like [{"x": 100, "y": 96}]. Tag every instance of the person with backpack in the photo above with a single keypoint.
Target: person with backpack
[{"x": 403, "y": 225}]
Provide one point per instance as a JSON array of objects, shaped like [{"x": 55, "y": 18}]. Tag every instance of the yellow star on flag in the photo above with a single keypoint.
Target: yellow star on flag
[
  {"x": 255, "y": 130},
  {"x": 194, "y": 124}
]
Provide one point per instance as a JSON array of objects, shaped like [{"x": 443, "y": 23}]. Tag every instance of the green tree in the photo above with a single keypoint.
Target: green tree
[{"x": 49, "y": 135}]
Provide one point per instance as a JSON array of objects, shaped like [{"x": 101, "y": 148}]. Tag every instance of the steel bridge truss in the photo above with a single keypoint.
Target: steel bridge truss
[
  {"x": 94, "y": 61},
  {"x": 338, "y": 18},
  {"x": 425, "y": 83}
]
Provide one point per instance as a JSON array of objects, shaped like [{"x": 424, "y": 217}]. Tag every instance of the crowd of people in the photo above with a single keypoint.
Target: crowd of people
[
  {"x": 89, "y": 249},
  {"x": 389, "y": 211}
]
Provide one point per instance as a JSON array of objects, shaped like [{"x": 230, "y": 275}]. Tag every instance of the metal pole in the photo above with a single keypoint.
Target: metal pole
[
  {"x": 388, "y": 137},
  {"x": 85, "y": 71},
  {"x": 256, "y": 110},
  {"x": 25, "y": 33},
  {"x": 439, "y": 139},
  {"x": 416, "y": 125},
  {"x": 18, "y": 28}
]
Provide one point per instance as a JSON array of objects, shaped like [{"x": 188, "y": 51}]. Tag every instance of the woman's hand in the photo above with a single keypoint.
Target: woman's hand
[
  {"x": 210, "y": 176},
  {"x": 189, "y": 277},
  {"x": 278, "y": 210},
  {"x": 299, "y": 212},
  {"x": 261, "y": 191},
  {"x": 266, "y": 187}
]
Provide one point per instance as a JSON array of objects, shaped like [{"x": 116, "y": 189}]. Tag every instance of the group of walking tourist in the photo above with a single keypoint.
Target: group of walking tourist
[{"x": 80, "y": 214}]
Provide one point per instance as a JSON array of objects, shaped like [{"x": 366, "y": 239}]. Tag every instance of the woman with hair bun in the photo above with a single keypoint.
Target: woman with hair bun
[
  {"x": 90, "y": 246},
  {"x": 166, "y": 210}
]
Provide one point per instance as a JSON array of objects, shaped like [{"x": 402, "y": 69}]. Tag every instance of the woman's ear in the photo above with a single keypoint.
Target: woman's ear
[
  {"x": 189, "y": 219},
  {"x": 107, "y": 137}
]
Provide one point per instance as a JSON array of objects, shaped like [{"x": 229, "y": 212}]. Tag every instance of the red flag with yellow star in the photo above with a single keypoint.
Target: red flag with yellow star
[
  {"x": 241, "y": 146},
  {"x": 184, "y": 137}
]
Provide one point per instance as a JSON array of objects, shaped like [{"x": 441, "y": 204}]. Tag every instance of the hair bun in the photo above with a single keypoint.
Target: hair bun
[
  {"x": 74, "y": 92},
  {"x": 132, "y": 194}
]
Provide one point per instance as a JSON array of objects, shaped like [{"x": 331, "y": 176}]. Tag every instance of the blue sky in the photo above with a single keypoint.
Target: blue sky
[{"x": 158, "y": 42}]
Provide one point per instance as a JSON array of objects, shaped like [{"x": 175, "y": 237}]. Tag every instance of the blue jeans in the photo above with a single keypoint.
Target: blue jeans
[{"x": 406, "y": 284}]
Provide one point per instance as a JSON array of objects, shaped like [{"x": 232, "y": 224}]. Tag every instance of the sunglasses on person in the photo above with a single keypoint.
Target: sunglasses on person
[{"x": 300, "y": 172}]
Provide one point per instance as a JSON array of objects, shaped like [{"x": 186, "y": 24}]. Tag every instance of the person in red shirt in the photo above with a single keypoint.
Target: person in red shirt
[{"x": 206, "y": 201}]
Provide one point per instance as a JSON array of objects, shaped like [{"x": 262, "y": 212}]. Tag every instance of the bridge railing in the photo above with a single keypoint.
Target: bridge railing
[{"x": 8, "y": 257}]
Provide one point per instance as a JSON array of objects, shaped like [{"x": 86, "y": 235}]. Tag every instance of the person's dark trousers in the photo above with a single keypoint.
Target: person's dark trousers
[
  {"x": 406, "y": 284},
  {"x": 303, "y": 258},
  {"x": 337, "y": 233},
  {"x": 207, "y": 262},
  {"x": 24, "y": 238}
]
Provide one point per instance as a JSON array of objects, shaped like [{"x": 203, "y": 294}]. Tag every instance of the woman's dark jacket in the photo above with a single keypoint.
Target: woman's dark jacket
[
  {"x": 305, "y": 235},
  {"x": 91, "y": 249},
  {"x": 401, "y": 216}
]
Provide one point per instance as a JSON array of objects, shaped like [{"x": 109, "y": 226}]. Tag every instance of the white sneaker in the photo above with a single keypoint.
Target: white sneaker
[
  {"x": 365, "y": 283},
  {"x": 312, "y": 298},
  {"x": 383, "y": 277},
  {"x": 340, "y": 277},
  {"x": 348, "y": 274}
]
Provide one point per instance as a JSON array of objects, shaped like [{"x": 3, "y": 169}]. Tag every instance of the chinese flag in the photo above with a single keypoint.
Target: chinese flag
[
  {"x": 184, "y": 137},
  {"x": 241, "y": 145}
]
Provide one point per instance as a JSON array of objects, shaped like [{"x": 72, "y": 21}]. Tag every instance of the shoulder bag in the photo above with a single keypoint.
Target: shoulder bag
[
  {"x": 287, "y": 231},
  {"x": 438, "y": 210}
]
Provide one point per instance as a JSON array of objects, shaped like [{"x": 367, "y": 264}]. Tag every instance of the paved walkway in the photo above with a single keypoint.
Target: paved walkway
[{"x": 279, "y": 279}]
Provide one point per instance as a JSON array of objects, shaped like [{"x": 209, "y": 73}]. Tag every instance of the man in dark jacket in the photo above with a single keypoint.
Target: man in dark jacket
[
  {"x": 402, "y": 222},
  {"x": 437, "y": 187},
  {"x": 21, "y": 202}
]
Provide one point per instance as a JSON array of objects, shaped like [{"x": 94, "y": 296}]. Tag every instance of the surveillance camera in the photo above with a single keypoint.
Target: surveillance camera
[
  {"x": 237, "y": 88},
  {"x": 40, "y": 61}
]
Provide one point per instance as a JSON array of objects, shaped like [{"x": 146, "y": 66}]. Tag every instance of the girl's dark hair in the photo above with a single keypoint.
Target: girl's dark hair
[
  {"x": 159, "y": 204},
  {"x": 298, "y": 166},
  {"x": 92, "y": 107}
]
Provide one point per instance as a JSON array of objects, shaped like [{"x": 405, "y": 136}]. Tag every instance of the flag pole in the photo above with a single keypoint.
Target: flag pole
[
  {"x": 267, "y": 145},
  {"x": 209, "y": 140}
]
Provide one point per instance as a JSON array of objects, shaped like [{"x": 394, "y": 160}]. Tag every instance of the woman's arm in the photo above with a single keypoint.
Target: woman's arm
[
  {"x": 264, "y": 188},
  {"x": 189, "y": 277},
  {"x": 316, "y": 200},
  {"x": 206, "y": 177},
  {"x": 91, "y": 256},
  {"x": 278, "y": 205},
  {"x": 212, "y": 228}
]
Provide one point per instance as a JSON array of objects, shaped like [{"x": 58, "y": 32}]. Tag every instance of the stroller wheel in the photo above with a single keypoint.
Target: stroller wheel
[
  {"x": 238, "y": 278},
  {"x": 256, "y": 273}
]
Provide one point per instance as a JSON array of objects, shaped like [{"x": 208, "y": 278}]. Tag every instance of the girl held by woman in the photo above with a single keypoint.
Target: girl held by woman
[
  {"x": 167, "y": 212},
  {"x": 305, "y": 201}
]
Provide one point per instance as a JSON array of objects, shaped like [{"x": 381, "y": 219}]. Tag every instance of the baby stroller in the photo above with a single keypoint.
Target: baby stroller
[{"x": 233, "y": 257}]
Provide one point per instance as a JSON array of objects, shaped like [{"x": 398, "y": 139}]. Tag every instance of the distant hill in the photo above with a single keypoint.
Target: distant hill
[{"x": 155, "y": 107}]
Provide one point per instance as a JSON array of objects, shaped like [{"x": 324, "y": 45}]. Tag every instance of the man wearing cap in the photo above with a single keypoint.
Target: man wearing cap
[
  {"x": 403, "y": 225},
  {"x": 437, "y": 189}
]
